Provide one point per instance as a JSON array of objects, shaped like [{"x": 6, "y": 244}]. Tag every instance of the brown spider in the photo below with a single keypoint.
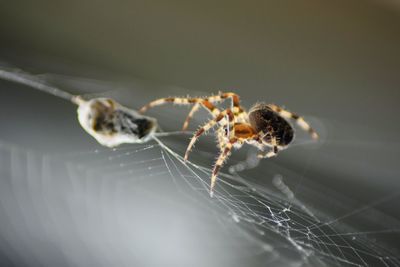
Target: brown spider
[{"x": 265, "y": 126}]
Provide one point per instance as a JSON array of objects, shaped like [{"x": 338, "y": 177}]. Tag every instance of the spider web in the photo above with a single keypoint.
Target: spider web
[
  {"x": 143, "y": 205},
  {"x": 79, "y": 195}
]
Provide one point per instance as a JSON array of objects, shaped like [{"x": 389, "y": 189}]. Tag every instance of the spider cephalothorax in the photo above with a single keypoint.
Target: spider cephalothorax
[{"x": 265, "y": 126}]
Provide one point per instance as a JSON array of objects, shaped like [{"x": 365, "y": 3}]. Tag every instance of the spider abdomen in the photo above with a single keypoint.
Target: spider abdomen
[{"x": 264, "y": 119}]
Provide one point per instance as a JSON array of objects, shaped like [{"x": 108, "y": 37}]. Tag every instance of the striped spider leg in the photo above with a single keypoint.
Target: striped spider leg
[
  {"x": 224, "y": 118},
  {"x": 206, "y": 102},
  {"x": 197, "y": 101},
  {"x": 240, "y": 133},
  {"x": 243, "y": 133},
  {"x": 299, "y": 120},
  {"x": 194, "y": 109},
  {"x": 236, "y": 108}
]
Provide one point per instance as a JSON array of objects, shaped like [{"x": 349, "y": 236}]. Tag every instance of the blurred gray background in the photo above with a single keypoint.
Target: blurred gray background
[{"x": 335, "y": 62}]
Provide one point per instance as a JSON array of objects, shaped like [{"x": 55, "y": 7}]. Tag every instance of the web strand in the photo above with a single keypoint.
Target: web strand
[{"x": 20, "y": 77}]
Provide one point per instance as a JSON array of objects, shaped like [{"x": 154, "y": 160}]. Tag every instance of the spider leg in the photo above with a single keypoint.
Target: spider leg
[
  {"x": 224, "y": 95},
  {"x": 190, "y": 115},
  {"x": 266, "y": 154},
  {"x": 162, "y": 101},
  {"x": 195, "y": 108},
  {"x": 181, "y": 101},
  {"x": 220, "y": 161},
  {"x": 271, "y": 153},
  {"x": 237, "y": 109},
  {"x": 253, "y": 157},
  {"x": 220, "y": 138},
  {"x": 221, "y": 118},
  {"x": 240, "y": 113},
  {"x": 184, "y": 101},
  {"x": 207, "y": 103},
  {"x": 299, "y": 120}
]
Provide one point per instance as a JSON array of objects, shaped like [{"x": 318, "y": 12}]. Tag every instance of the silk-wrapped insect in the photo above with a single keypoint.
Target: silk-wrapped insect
[{"x": 109, "y": 122}]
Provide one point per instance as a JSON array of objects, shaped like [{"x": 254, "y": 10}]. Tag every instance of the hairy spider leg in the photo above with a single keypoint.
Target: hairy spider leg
[
  {"x": 184, "y": 101},
  {"x": 221, "y": 138},
  {"x": 237, "y": 110},
  {"x": 197, "y": 103},
  {"x": 194, "y": 109},
  {"x": 243, "y": 133},
  {"x": 220, "y": 131},
  {"x": 271, "y": 153},
  {"x": 221, "y": 97},
  {"x": 225, "y": 95},
  {"x": 223, "y": 155},
  {"x": 299, "y": 120},
  {"x": 221, "y": 119},
  {"x": 181, "y": 101},
  {"x": 240, "y": 115}
]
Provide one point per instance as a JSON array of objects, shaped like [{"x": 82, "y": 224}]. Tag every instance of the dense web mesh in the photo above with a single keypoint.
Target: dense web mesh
[{"x": 282, "y": 230}]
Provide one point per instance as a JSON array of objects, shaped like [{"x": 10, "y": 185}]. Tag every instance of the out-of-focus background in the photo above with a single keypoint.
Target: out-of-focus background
[{"x": 335, "y": 62}]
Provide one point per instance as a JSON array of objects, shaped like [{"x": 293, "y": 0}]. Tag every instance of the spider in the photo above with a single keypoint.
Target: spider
[{"x": 265, "y": 126}]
